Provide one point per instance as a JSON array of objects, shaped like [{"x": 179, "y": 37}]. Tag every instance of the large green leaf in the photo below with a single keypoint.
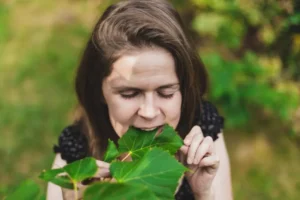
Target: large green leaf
[
  {"x": 77, "y": 171},
  {"x": 137, "y": 142},
  {"x": 63, "y": 181},
  {"x": 27, "y": 190},
  {"x": 81, "y": 169},
  {"x": 168, "y": 140},
  {"x": 111, "y": 152},
  {"x": 117, "y": 191},
  {"x": 157, "y": 170},
  {"x": 53, "y": 176},
  {"x": 50, "y": 174}
]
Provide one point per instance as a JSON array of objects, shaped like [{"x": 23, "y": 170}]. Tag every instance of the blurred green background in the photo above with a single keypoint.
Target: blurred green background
[{"x": 251, "y": 49}]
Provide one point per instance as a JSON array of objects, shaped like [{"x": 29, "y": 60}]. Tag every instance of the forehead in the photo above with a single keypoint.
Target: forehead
[{"x": 153, "y": 66}]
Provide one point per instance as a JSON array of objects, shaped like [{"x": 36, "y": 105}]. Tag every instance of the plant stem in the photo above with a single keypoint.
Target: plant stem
[
  {"x": 75, "y": 190},
  {"x": 126, "y": 157}
]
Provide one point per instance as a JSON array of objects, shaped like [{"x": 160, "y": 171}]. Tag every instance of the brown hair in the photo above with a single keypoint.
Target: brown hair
[{"x": 126, "y": 26}]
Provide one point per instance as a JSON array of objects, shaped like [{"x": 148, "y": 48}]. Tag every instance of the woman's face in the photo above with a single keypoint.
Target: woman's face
[{"x": 143, "y": 91}]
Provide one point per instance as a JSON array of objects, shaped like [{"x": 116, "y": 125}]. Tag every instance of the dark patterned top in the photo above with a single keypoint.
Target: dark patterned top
[{"x": 73, "y": 145}]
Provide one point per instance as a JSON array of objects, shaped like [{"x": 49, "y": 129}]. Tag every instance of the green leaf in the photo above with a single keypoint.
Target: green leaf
[
  {"x": 138, "y": 142},
  {"x": 168, "y": 140},
  {"x": 111, "y": 152},
  {"x": 63, "y": 181},
  {"x": 53, "y": 176},
  {"x": 50, "y": 174},
  {"x": 27, "y": 190},
  {"x": 116, "y": 191},
  {"x": 81, "y": 169},
  {"x": 157, "y": 170}
]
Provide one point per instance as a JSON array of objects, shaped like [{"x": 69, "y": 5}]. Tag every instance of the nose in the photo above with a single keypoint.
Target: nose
[{"x": 148, "y": 109}]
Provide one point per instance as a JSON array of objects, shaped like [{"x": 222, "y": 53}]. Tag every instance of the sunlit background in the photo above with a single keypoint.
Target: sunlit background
[{"x": 251, "y": 49}]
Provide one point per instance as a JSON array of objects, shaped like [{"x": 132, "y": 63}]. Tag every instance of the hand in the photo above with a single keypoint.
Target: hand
[
  {"x": 202, "y": 161},
  {"x": 102, "y": 172}
]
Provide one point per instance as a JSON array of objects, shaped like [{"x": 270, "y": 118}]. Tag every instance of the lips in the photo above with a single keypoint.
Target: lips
[{"x": 149, "y": 128}]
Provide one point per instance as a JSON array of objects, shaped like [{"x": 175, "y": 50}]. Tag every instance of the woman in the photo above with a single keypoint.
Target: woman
[{"x": 139, "y": 69}]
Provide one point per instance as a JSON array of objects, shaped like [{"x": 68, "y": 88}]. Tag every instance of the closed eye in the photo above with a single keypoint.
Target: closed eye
[
  {"x": 129, "y": 94},
  {"x": 166, "y": 96},
  {"x": 166, "y": 92}
]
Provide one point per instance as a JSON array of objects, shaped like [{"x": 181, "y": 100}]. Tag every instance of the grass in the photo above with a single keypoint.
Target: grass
[{"x": 40, "y": 46}]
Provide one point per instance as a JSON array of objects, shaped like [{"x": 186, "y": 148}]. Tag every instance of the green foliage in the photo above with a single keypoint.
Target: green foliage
[
  {"x": 111, "y": 152},
  {"x": 156, "y": 170},
  {"x": 76, "y": 172},
  {"x": 63, "y": 181},
  {"x": 237, "y": 83},
  {"x": 292, "y": 20},
  {"x": 242, "y": 34},
  {"x": 136, "y": 144},
  {"x": 81, "y": 170},
  {"x": 107, "y": 191},
  {"x": 38, "y": 65},
  {"x": 153, "y": 169},
  {"x": 26, "y": 190}
]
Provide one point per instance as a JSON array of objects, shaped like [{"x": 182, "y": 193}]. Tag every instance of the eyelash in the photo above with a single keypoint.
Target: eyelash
[{"x": 169, "y": 96}]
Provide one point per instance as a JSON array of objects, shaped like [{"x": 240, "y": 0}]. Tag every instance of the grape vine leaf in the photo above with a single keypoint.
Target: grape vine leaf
[
  {"x": 76, "y": 172},
  {"x": 168, "y": 140},
  {"x": 111, "y": 152},
  {"x": 63, "y": 181},
  {"x": 157, "y": 170},
  {"x": 81, "y": 169},
  {"x": 50, "y": 174},
  {"x": 137, "y": 142},
  {"x": 116, "y": 191},
  {"x": 54, "y": 177}
]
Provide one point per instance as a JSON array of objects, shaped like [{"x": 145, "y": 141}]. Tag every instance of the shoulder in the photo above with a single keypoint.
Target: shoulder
[
  {"x": 72, "y": 144},
  {"x": 209, "y": 120}
]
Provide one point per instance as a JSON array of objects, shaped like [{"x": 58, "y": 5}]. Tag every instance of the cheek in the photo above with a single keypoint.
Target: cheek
[
  {"x": 172, "y": 111},
  {"x": 121, "y": 113},
  {"x": 121, "y": 109}
]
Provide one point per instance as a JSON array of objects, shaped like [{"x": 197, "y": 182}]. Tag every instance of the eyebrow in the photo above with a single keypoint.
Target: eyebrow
[{"x": 134, "y": 88}]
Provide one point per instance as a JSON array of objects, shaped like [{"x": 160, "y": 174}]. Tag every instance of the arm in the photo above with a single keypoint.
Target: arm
[
  {"x": 54, "y": 192},
  {"x": 222, "y": 182}
]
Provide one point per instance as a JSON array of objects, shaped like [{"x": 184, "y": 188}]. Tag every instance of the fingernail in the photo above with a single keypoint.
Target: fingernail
[
  {"x": 186, "y": 141},
  {"x": 189, "y": 160}
]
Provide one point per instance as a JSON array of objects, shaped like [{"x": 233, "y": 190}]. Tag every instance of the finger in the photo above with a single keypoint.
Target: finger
[
  {"x": 113, "y": 180},
  {"x": 102, "y": 172},
  {"x": 102, "y": 164},
  {"x": 212, "y": 149},
  {"x": 212, "y": 162},
  {"x": 206, "y": 148},
  {"x": 184, "y": 149},
  {"x": 188, "y": 139},
  {"x": 197, "y": 139},
  {"x": 103, "y": 169}
]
